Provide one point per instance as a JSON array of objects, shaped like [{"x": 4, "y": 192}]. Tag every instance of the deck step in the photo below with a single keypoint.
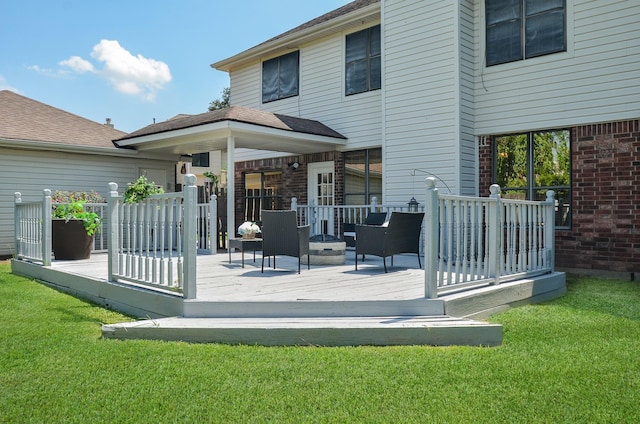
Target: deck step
[{"x": 332, "y": 331}]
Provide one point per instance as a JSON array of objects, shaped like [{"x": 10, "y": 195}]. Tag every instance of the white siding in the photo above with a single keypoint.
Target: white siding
[
  {"x": 468, "y": 143},
  {"x": 321, "y": 97},
  {"x": 30, "y": 172},
  {"x": 596, "y": 80},
  {"x": 422, "y": 97}
]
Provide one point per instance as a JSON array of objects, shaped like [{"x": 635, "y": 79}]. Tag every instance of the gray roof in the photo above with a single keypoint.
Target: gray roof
[
  {"x": 24, "y": 119},
  {"x": 238, "y": 114}
]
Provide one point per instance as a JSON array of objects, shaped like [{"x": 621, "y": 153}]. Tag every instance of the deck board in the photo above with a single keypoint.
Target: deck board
[{"x": 219, "y": 280}]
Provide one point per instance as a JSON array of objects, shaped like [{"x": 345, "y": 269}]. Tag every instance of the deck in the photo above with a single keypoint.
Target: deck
[{"x": 326, "y": 305}]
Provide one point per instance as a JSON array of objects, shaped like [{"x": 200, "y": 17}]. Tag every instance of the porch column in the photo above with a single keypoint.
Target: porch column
[
  {"x": 231, "y": 199},
  {"x": 431, "y": 237}
]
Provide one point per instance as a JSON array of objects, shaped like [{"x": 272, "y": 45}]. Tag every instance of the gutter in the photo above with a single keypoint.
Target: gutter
[{"x": 69, "y": 148}]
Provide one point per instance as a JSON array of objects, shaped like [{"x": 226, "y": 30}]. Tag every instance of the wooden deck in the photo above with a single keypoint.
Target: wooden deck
[
  {"x": 326, "y": 305},
  {"x": 221, "y": 281}
]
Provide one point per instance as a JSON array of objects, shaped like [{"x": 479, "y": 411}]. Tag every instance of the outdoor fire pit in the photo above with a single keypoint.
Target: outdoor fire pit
[{"x": 325, "y": 249}]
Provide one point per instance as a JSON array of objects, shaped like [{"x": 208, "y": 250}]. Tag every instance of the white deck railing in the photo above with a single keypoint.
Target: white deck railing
[
  {"x": 471, "y": 241},
  {"x": 467, "y": 241},
  {"x": 153, "y": 242},
  {"x": 32, "y": 238},
  {"x": 331, "y": 219}
]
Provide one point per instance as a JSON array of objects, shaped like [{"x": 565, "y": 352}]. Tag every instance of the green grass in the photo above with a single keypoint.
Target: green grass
[{"x": 576, "y": 359}]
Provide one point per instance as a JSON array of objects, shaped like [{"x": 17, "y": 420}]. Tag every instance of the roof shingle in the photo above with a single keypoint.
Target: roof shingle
[
  {"x": 238, "y": 114},
  {"x": 25, "y": 119}
]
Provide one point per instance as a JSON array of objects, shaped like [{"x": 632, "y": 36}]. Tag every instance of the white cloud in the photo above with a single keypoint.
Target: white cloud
[
  {"x": 131, "y": 74},
  {"x": 78, "y": 64}
]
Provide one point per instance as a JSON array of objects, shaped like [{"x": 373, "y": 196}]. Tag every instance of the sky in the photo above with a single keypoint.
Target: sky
[{"x": 134, "y": 61}]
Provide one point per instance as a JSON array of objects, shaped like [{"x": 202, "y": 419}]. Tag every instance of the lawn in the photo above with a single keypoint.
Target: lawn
[{"x": 575, "y": 359}]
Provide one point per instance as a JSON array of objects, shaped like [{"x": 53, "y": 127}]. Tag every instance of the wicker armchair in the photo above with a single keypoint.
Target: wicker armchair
[
  {"x": 401, "y": 235},
  {"x": 281, "y": 235},
  {"x": 349, "y": 233}
]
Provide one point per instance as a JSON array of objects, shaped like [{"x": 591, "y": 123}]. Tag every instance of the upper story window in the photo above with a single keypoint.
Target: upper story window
[
  {"x": 200, "y": 159},
  {"x": 280, "y": 77},
  {"x": 363, "y": 64},
  {"x": 522, "y": 29}
]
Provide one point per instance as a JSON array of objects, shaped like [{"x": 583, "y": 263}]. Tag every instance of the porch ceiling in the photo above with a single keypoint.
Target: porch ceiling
[{"x": 250, "y": 129}]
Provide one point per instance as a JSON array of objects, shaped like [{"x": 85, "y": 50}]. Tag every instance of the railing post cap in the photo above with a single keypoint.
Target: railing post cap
[
  {"x": 190, "y": 179},
  {"x": 17, "y": 195},
  {"x": 430, "y": 182},
  {"x": 494, "y": 189},
  {"x": 47, "y": 192},
  {"x": 550, "y": 195},
  {"x": 113, "y": 186}
]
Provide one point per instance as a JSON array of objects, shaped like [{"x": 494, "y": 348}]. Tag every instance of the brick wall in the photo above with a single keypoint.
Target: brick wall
[
  {"x": 294, "y": 181},
  {"x": 605, "y": 231}
]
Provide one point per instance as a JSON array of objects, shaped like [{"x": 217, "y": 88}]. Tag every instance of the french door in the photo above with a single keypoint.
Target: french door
[{"x": 321, "y": 192}]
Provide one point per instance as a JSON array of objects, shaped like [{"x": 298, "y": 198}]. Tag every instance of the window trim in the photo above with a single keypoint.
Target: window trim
[
  {"x": 368, "y": 58},
  {"x": 530, "y": 188},
  {"x": 198, "y": 165},
  {"x": 279, "y": 59},
  {"x": 567, "y": 10}
]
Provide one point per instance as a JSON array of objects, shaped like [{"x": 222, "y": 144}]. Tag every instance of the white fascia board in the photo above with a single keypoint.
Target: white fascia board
[{"x": 297, "y": 38}]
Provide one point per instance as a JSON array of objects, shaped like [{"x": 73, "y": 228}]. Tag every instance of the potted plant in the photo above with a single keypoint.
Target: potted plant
[
  {"x": 140, "y": 189},
  {"x": 72, "y": 231}
]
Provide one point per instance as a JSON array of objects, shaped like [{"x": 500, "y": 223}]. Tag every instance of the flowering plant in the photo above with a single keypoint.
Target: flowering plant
[{"x": 248, "y": 228}]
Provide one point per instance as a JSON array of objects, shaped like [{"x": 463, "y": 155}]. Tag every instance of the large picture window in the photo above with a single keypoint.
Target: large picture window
[
  {"x": 363, "y": 64},
  {"x": 262, "y": 190},
  {"x": 280, "y": 77},
  {"x": 527, "y": 165},
  {"x": 362, "y": 176},
  {"x": 522, "y": 29}
]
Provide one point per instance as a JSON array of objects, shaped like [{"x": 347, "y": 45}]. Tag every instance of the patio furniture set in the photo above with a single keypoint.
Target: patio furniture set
[{"x": 281, "y": 235}]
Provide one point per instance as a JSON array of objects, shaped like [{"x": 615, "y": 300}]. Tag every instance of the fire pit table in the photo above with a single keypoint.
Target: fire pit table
[{"x": 325, "y": 249}]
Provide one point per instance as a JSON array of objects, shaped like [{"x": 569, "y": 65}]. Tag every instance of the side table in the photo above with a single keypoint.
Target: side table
[{"x": 245, "y": 244}]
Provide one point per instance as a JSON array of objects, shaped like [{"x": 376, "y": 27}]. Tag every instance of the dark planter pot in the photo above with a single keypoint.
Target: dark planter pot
[{"x": 69, "y": 240}]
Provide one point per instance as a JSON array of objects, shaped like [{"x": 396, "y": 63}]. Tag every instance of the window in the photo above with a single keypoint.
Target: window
[
  {"x": 363, "y": 64},
  {"x": 522, "y": 29},
  {"x": 527, "y": 165},
  {"x": 362, "y": 176},
  {"x": 280, "y": 77},
  {"x": 200, "y": 159},
  {"x": 262, "y": 190}
]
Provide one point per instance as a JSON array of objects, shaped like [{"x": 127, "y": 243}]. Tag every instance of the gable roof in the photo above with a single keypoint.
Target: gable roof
[
  {"x": 355, "y": 13},
  {"x": 238, "y": 114},
  {"x": 23, "y": 120}
]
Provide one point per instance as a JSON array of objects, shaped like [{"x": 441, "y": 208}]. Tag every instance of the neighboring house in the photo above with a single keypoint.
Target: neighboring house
[
  {"x": 44, "y": 147},
  {"x": 530, "y": 95}
]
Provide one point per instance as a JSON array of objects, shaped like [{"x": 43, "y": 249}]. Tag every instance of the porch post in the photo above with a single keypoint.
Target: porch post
[
  {"x": 550, "y": 229},
  {"x": 374, "y": 204},
  {"x": 213, "y": 223},
  {"x": 17, "y": 229},
  {"x": 231, "y": 192},
  {"x": 190, "y": 248},
  {"x": 113, "y": 242},
  {"x": 46, "y": 228},
  {"x": 431, "y": 231},
  {"x": 495, "y": 234}
]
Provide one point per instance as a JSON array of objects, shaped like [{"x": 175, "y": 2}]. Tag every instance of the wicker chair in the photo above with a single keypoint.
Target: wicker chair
[
  {"x": 349, "y": 234},
  {"x": 281, "y": 235},
  {"x": 401, "y": 235}
]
